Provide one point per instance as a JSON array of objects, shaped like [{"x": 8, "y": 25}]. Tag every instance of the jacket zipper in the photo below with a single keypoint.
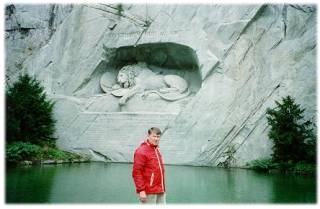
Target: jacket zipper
[
  {"x": 151, "y": 179},
  {"x": 160, "y": 169}
]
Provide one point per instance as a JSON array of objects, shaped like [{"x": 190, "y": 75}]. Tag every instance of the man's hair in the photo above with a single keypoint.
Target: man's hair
[{"x": 154, "y": 130}]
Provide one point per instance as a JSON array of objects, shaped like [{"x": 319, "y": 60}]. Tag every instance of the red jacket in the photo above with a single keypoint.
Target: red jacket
[{"x": 148, "y": 169}]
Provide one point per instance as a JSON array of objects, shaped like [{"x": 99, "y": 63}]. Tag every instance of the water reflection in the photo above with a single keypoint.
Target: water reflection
[
  {"x": 29, "y": 184},
  {"x": 93, "y": 183},
  {"x": 290, "y": 188},
  {"x": 112, "y": 183},
  {"x": 217, "y": 185}
]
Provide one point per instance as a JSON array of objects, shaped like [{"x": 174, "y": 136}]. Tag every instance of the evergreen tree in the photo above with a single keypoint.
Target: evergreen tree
[
  {"x": 29, "y": 116},
  {"x": 292, "y": 136}
]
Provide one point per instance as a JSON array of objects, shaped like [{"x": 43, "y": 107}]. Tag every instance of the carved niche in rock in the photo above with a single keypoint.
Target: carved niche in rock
[{"x": 138, "y": 78}]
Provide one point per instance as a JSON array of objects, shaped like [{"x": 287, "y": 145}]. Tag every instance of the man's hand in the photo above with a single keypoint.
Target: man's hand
[{"x": 143, "y": 196}]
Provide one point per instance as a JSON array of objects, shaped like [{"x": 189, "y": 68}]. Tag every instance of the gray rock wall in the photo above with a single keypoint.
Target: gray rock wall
[
  {"x": 248, "y": 56},
  {"x": 28, "y": 27}
]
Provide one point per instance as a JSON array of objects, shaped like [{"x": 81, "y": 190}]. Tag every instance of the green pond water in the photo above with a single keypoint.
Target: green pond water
[{"x": 112, "y": 183}]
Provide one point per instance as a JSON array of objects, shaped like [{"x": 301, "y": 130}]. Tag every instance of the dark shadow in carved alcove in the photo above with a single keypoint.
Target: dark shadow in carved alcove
[
  {"x": 161, "y": 58},
  {"x": 167, "y": 55}
]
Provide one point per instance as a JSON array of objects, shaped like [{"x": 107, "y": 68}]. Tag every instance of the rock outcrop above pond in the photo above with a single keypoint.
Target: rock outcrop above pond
[{"x": 236, "y": 59}]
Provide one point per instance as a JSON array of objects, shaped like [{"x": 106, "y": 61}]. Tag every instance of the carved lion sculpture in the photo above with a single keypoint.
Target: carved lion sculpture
[{"x": 138, "y": 78}]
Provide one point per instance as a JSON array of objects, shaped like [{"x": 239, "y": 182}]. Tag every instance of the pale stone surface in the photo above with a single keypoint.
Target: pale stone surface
[
  {"x": 236, "y": 60},
  {"x": 112, "y": 136},
  {"x": 29, "y": 27}
]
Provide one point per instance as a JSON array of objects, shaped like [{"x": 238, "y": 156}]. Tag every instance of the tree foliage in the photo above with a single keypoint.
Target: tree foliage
[
  {"x": 29, "y": 115},
  {"x": 293, "y": 137}
]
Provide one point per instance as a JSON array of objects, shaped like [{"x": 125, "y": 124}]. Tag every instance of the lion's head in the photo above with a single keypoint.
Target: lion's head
[{"x": 127, "y": 74}]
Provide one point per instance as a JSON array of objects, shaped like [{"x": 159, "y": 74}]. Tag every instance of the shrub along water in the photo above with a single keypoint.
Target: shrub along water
[
  {"x": 29, "y": 116},
  {"x": 17, "y": 152},
  {"x": 294, "y": 139},
  {"x": 30, "y": 124}
]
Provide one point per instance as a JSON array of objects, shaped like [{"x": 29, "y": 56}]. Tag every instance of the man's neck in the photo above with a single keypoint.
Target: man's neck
[{"x": 152, "y": 145}]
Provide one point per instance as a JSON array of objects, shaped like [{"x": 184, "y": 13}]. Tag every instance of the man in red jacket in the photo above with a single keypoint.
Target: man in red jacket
[{"x": 148, "y": 169}]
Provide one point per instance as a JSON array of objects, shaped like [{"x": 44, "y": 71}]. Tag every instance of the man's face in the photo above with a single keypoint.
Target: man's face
[{"x": 154, "y": 138}]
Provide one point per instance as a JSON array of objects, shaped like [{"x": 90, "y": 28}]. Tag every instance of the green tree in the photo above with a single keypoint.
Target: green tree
[
  {"x": 293, "y": 137},
  {"x": 29, "y": 116},
  {"x": 119, "y": 8}
]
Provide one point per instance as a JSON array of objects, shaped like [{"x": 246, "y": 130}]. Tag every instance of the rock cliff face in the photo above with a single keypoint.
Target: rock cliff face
[
  {"x": 27, "y": 29},
  {"x": 237, "y": 60}
]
